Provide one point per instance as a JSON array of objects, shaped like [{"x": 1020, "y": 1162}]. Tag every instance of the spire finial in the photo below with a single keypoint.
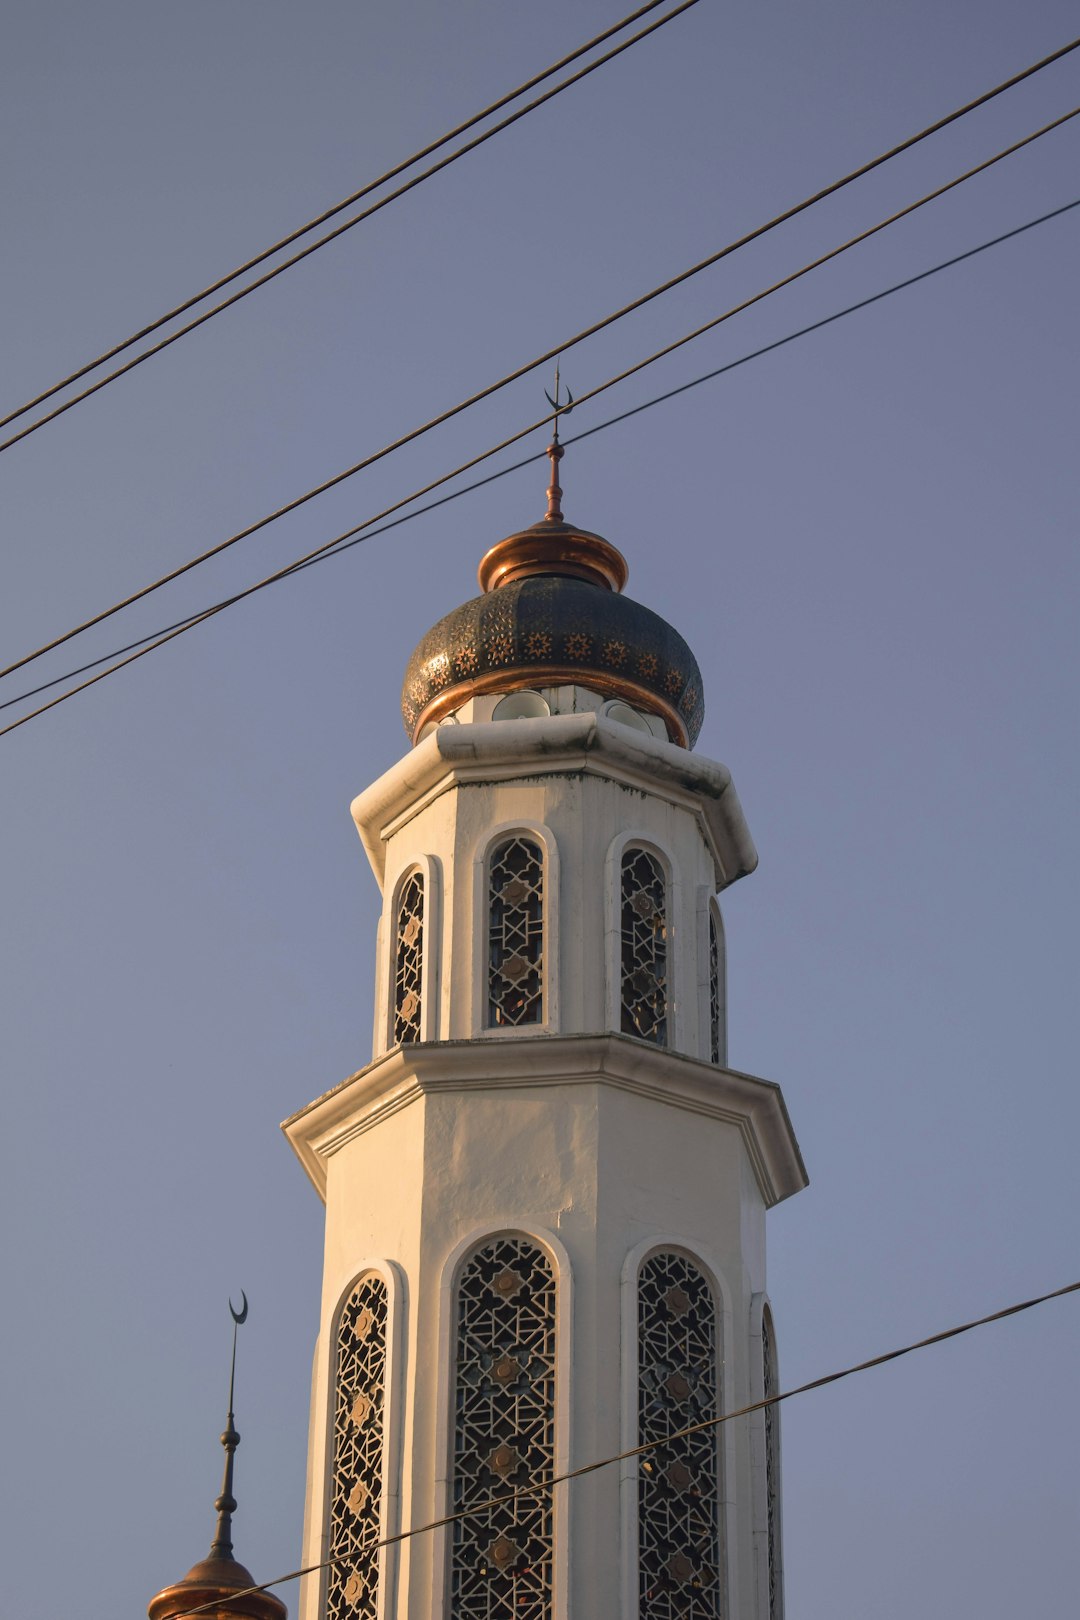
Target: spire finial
[
  {"x": 555, "y": 450},
  {"x": 221, "y": 1546}
]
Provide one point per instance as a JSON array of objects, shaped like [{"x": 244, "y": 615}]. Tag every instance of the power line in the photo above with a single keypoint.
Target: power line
[
  {"x": 346, "y": 542},
  {"x": 549, "y": 355},
  {"x": 514, "y": 438},
  {"x": 538, "y": 1487},
  {"x": 329, "y": 213},
  {"x": 347, "y": 225}
]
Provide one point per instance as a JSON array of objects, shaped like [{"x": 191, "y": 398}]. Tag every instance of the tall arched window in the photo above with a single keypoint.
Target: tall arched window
[
  {"x": 504, "y": 1432},
  {"x": 355, "y": 1513},
  {"x": 644, "y": 947},
  {"x": 716, "y": 1005},
  {"x": 409, "y": 960},
  {"x": 680, "y": 1575},
  {"x": 515, "y": 933},
  {"x": 772, "y": 1466}
]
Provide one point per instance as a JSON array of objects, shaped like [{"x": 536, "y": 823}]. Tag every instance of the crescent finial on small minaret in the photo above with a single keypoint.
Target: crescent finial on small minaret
[
  {"x": 218, "y": 1581},
  {"x": 221, "y": 1546}
]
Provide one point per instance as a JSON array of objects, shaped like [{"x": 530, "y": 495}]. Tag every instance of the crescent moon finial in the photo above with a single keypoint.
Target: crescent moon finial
[{"x": 221, "y": 1546}]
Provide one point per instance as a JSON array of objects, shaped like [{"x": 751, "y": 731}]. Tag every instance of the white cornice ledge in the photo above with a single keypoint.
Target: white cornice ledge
[
  {"x": 505, "y": 749},
  {"x": 399, "y": 1078}
]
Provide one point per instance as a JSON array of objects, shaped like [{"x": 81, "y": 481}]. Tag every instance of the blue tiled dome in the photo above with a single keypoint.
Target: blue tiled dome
[{"x": 549, "y": 630}]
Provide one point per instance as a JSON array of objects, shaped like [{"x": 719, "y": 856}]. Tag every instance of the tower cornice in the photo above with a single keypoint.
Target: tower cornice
[
  {"x": 508, "y": 749},
  {"x": 406, "y": 1074}
]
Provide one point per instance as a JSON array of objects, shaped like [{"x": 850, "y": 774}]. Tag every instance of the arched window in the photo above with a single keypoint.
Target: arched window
[
  {"x": 644, "y": 947},
  {"x": 716, "y": 989},
  {"x": 409, "y": 960},
  {"x": 680, "y": 1575},
  {"x": 504, "y": 1433},
  {"x": 772, "y": 1467},
  {"x": 515, "y": 933},
  {"x": 355, "y": 1511}
]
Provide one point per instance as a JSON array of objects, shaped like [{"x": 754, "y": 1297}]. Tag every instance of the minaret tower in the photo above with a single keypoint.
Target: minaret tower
[
  {"x": 546, "y": 1193},
  {"x": 218, "y": 1587}
]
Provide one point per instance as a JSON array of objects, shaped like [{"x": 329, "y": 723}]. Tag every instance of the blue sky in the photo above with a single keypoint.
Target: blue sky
[{"x": 868, "y": 538}]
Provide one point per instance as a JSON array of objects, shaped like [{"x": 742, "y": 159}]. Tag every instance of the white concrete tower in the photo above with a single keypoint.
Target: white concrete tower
[{"x": 546, "y": 1193}]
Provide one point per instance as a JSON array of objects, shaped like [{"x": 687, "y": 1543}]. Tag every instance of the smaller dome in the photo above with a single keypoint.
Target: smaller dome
[
  {"x": 554, "y": 547},
  {"x": 217, "y": 1580}
]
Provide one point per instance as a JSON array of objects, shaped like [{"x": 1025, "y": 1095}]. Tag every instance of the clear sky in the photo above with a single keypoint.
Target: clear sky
[{"x": 868, "y": 538}]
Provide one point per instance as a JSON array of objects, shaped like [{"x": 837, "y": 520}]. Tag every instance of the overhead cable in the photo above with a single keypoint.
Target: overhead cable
[
  {"x": 391, "y": 174},
  {"x": 542, "y": 359},
  {"x": 522, "y": 433},
  {"x": 329, "y": 213},
  {"x": 545, "y": 1486},
  {"x": 346, "y": 543},
  {"x": 339, "y": 230}
]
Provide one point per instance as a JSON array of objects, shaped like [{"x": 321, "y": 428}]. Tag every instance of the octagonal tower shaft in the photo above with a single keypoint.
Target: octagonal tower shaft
[{"x": 548, "y": 1099}]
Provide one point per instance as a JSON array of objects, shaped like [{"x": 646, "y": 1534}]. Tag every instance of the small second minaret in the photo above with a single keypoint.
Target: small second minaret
[{"x": 218, "y": 1587}]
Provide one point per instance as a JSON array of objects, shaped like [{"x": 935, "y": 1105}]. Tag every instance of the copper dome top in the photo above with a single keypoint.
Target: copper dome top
[
  {"x": 554, "y": 546},
  {"x": 215, "y": 1583}
]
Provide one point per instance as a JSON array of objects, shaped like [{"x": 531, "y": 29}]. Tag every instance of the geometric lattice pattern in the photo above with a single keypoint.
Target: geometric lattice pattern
[
  {"x": 516, "y": 934},
  {"x": 359, "y": 1428},
  {"x": 409, "y": 960},
  {"x": 714, "y": 990},
  {"x": 644, "y": 947},
  {"x": 541, "y": 631},
  {"x": 772, "y": 1465},
  {"x": 504, "y": 1433},
  {"x": 679, "y": 1567}
]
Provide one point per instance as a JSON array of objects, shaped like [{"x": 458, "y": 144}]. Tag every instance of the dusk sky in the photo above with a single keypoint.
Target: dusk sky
[{"x": 868, "y": 538}]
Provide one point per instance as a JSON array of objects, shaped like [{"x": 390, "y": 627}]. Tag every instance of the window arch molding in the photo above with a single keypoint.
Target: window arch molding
[
  {"x": 710, "y": 926},
  {"x": 618, "y": 847},
  {"x": 493, "y": 837},
  {"x": 453, "y": 1268},
  {"x": 392, "y": 1278},
  {"x": 766, "y": 1476},
  {"x": 726, "y": 1461},
  {"x": 430, "y": 869}
]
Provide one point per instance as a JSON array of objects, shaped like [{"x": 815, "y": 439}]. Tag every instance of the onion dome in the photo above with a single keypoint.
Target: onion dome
[
  {"x": 219, "y": 1586},
  {"x": 217, "y": 1581},
  {"x": 552, "y": 614}
]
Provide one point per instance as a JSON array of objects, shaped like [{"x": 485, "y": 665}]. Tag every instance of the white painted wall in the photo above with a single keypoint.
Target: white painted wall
[
  {"x": 600, "y": 1146},
  {"x": 585, "y": 806}
]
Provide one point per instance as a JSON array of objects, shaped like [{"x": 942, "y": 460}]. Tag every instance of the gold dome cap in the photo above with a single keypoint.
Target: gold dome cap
[
  {"x": 216, "y": 1582},
  {"x": 554, "y": 546}
]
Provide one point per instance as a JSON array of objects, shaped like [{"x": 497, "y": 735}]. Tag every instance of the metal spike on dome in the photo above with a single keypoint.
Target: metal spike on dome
[{"x": 221, "y": 1546}]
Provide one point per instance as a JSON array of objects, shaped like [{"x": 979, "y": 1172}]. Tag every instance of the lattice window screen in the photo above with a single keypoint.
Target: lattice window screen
[
  {"x": 359, "y": 1438},
  {"x": 516, "y": 934},
  {"x": 644, "y": 947},
  {"x": 680, "y": 1575},
  {"x": 409, "y": 960},
  {"x": 772, "y": 1467},
  {"x": 715, "y": 1010},
  {"x": 504, "y": 1434}
]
